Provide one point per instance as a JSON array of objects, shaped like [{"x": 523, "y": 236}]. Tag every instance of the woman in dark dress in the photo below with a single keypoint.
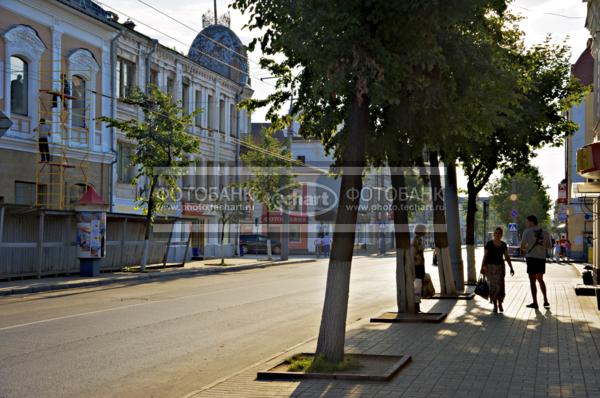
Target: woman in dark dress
[{"x": 494, "y": 269}]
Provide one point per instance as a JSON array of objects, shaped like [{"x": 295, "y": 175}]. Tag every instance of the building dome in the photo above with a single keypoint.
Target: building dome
[{"x": 229, "y": 58}]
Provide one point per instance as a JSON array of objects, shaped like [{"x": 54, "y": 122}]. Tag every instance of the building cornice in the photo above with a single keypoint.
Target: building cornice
[{"x": 19, "y": 144}]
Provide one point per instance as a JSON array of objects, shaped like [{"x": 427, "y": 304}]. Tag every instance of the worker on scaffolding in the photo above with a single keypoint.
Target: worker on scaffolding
[{"x": 44, "y": 131}]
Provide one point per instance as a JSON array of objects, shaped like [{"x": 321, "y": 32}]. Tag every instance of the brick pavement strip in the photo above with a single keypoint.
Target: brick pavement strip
[{"x": 523, "y": 353}]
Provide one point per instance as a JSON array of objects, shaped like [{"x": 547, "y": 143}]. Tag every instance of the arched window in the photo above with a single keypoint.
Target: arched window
[
  {"x": 19, "y": 79},
  {"x": 79, "y": 102}
]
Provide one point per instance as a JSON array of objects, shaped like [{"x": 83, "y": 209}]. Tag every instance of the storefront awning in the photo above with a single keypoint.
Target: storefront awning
[{"x": 585, "y": 190}]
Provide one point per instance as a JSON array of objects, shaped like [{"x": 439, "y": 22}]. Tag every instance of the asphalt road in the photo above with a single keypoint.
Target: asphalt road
[{"x": 166, "y": 339}]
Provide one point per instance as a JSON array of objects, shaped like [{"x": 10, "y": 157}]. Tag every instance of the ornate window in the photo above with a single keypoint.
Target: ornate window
[
  {"x": 125, "y": 76},
  {"x": 82, "y": 72},
  {"x": 19, "y": 79},
  {"x": 22, "y": 52},
  {"x": 79, "y": 102}
]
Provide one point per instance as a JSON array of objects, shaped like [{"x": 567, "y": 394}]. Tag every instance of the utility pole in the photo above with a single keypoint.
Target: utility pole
[
  {"x": 514, "y": 213},
  {"x": 486, "y": 213},
  {"x": 285, "y": 230}
]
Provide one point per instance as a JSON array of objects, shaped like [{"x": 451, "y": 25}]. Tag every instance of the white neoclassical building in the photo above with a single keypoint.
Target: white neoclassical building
[{"x": 213, "y": 79}]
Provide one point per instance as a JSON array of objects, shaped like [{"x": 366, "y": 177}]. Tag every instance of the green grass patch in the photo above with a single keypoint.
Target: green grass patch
[{"x": 309, "y": 363}]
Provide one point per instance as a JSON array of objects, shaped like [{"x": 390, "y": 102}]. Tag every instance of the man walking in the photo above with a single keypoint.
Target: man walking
[
  {"x": 326, "y": 242},
  {"x": 534, "y": 245}
]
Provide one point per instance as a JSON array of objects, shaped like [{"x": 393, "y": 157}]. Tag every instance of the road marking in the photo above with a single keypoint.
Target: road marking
[
  {"x": 69, "y": 316},
  {"x": 119, "y": 308},
  {"x": 113, "y": 309}
]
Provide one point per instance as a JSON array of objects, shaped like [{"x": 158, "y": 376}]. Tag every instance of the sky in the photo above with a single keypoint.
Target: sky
[{"x": 563, "y": 19}]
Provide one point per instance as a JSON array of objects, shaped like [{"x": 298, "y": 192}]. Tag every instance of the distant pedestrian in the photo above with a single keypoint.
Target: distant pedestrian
[
  {"x": 557, "y": 252},
  {"x": 381, "y": 242},
  {"x": 535, "y": 243},
  {"x": 44, "y": 132},
  {"x": 568, "y": 250},
  {"x": 318, "y": 246},
  {"x": 494, "y": 268},
  {"x": 418, "y": 254},
  {"x": 326, "y": 245}
]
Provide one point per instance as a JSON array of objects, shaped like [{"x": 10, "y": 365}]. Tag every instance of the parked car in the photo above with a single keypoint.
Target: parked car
[
  {"x": 514, "y": 251},
  {"x": 257, "y": 244}
]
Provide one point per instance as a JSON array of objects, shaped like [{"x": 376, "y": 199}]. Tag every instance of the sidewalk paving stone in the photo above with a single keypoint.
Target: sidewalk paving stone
[{"x": 522, "y": 353}]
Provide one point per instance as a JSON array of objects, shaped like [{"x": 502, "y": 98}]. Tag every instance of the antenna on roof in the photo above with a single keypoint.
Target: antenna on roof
[{"x": 215, "y": 3}]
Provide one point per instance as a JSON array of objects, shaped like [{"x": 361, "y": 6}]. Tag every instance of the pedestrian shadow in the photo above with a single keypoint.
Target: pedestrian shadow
[{"x": 477, "y": 353}]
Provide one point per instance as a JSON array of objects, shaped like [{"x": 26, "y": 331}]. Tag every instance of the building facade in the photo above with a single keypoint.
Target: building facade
[
  {"x": 69, "y": 62},
  {"x": 212, "y": 79},
  {"x": 577, "y": 214},
  {"x": 55, "y": 64}
]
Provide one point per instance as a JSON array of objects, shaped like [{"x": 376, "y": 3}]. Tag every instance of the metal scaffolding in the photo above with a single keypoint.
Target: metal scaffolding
[{"x": 63, "y": 144}]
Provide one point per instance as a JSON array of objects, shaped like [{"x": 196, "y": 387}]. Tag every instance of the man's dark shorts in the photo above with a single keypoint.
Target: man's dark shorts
[{"x": 536, "y": 265}]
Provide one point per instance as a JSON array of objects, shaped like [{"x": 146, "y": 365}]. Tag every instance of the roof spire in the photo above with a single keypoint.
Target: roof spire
[{"x": 215, "y": 3}]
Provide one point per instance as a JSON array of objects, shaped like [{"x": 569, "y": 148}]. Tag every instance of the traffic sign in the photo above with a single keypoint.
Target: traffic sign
[
  {"x": 514, "y": 213},
  {"x": 512, "y": 227}
]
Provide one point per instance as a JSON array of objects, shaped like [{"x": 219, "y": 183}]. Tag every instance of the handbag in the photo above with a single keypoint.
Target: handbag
[
  {"x": 428, "y": 290},
  {"x": 482, "y": 288}
]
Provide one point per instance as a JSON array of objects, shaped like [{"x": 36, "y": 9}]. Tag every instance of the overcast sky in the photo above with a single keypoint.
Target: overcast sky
[{"x": 563, "y": 19}]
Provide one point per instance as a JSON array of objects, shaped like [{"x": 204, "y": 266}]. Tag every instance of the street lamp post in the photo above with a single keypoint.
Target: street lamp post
[
  {"x": 285, "y": 227},
  {"x": 514, "y": 213}
]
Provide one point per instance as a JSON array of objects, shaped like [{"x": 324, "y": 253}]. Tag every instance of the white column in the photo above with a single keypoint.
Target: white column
[
  {"x": 162, "y": 78},
  {"x": 204, "y": 107},
  {"x": 191, "y": 98},
  {"x": 216, "y": 119},
  {"x": 178, "y": 82},
  {"x": 140, "y": 78},
  {"x": 7, "y": 80},
  {"x": 227, "y": 118},
  {"x": 107, "y": 91},
  {"x": 56, "y": 79}
]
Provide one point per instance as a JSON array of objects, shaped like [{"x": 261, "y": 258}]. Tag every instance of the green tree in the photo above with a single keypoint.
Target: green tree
[
  {"x": 351, "y": 59},
  {"x": 231, "y": 206},
  {"x": 531, "y": 197},
  {"x": 545, "y": 92},
  {"x": 458, "y": 97},
  {"x": 272, "y": 183},
  {"x": 162, "y": 145}
]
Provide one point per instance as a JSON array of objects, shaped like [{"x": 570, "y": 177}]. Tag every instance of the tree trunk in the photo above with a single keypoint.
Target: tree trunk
[
  {"x": 269, "y": 254},
  {"x": 405, "y": 273},
  {"x": 470, "y": 238},
  {"x": 149, "y": 216},
  {"x": 332, "y": 332},
  {"x": 222, "y": 242},
  {"x": 447, "y": 285},
  {"x": 453, "y": 222}
]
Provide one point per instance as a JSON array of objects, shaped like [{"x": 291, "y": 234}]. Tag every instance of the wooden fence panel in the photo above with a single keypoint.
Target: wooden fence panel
[{"x": 19, "y": 250}]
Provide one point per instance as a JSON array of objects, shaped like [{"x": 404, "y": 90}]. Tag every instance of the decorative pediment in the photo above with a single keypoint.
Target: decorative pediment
[
  {"x": 24, "y": 40},
  {"x": 82, "y": 61}
]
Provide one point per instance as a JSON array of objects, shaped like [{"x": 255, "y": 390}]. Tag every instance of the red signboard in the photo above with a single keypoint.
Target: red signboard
[
  {"x": 277, "y": 218},
  {"x": 562, "y": 193},
  {"x": 193, "y": 209}
]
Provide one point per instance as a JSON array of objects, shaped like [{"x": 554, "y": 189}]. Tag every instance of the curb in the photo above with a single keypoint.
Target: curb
[{"x": 148, "y": 277}]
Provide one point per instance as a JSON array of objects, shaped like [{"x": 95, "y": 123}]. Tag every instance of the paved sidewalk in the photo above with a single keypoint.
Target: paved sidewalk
[
  {"x": 474, "y": 353},
  {"x": 192, "y": 268}
]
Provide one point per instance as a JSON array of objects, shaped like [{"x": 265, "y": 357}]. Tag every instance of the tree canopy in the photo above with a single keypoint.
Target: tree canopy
[{"x": 531, "y": 198}]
